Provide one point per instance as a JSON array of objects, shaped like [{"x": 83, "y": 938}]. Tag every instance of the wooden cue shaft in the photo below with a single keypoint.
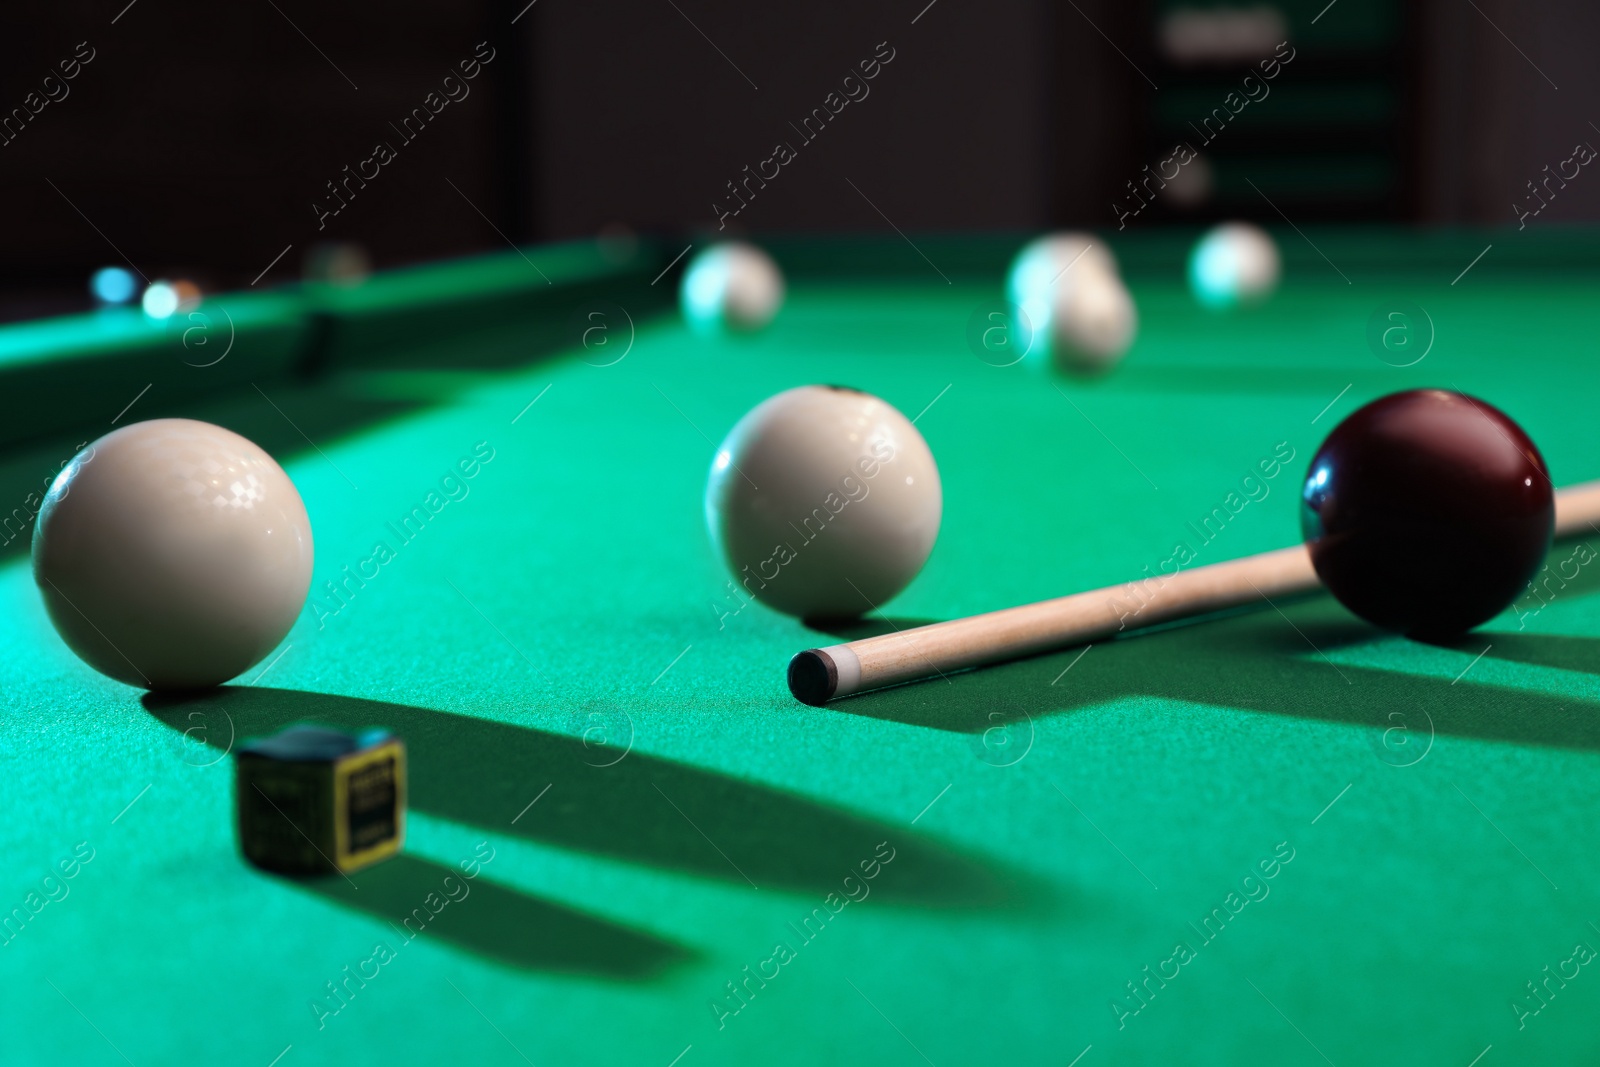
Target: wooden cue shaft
[{"x": 819, "y": 675}]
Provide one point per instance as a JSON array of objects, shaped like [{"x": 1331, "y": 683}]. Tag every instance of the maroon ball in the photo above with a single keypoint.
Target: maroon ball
[{"x": 1427, "y": 512}]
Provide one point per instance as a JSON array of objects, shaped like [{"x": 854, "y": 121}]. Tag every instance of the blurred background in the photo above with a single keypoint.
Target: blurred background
[{"x": 204, "y": 140}]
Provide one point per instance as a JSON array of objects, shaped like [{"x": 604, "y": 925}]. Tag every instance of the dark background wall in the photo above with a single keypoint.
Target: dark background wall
[
  {"x": 1511, "y": 88},
  {"x": 199, "y": 137},
  {"x": 649, "y": 124}
]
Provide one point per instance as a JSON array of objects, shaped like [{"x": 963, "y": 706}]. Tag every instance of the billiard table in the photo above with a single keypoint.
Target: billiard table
[{"x": 1278, "y": 836}]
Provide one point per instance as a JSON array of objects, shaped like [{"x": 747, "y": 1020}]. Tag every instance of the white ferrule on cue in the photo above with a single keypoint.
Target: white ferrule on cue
[{"x": 821, "y": 674}]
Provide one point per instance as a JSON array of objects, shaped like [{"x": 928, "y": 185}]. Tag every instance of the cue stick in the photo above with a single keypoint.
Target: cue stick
[{"x": 819, "y": 675}]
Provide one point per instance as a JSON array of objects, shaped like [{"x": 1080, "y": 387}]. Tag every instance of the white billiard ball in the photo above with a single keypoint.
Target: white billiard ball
[
  {"x": 1235, "y": 263},
  {"x": 731, "y": 287},
  {"x": 1056, "y": 261},
  {"x": 824, "y": 502},
  {"x": 172, "y": 554},
  {"x": 1084, "y": 329}
]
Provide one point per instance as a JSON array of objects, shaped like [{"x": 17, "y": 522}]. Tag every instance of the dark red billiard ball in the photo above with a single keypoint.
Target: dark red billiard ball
[{"x": 1427, "y": 512}]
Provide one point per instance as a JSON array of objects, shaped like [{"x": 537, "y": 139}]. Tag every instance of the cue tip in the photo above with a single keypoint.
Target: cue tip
[{"x": 813, "y": 677}]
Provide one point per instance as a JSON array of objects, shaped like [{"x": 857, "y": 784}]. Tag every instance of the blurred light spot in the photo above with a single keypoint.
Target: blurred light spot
[
  {"x": 112, "y": 285},
  {"x": 160, "y": 301}
]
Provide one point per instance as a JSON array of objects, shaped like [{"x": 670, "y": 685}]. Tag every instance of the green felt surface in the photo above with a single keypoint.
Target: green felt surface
[
  {"x": 1057, "y": 824},
  {"x": 487, "y": 310},
  {"x": 84, "y": 369}
]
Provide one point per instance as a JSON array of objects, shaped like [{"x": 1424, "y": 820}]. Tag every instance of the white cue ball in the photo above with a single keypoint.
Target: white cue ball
[
  {"x": 824, "y": 502},
  {"x": 1235, "y": 263},
  {"x": 1084, "y": 329},
  {"x": 731, "y": 287},
  {"x": 172, "y": 554},
  {"x": 1055, "y": 261}
]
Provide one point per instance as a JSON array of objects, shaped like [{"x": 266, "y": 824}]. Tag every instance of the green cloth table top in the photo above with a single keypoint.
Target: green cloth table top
[{"x": 1326, "y": 844}]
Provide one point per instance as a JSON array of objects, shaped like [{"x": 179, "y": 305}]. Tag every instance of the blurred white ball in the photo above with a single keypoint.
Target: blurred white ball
[
  {"x": 160, "y": 300},
  {"x": 1234, "y": 263},
  {"x": 1086, "y": 328},
  {"x": 345, "y": 263},
  {"x": 731, "y": 287},
  {"x": 1192, "y": 185},
  {"x": 1057, "y": 260}
]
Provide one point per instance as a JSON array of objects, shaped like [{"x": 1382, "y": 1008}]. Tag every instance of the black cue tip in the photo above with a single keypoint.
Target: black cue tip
[{"x": 813, "y": 677}]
